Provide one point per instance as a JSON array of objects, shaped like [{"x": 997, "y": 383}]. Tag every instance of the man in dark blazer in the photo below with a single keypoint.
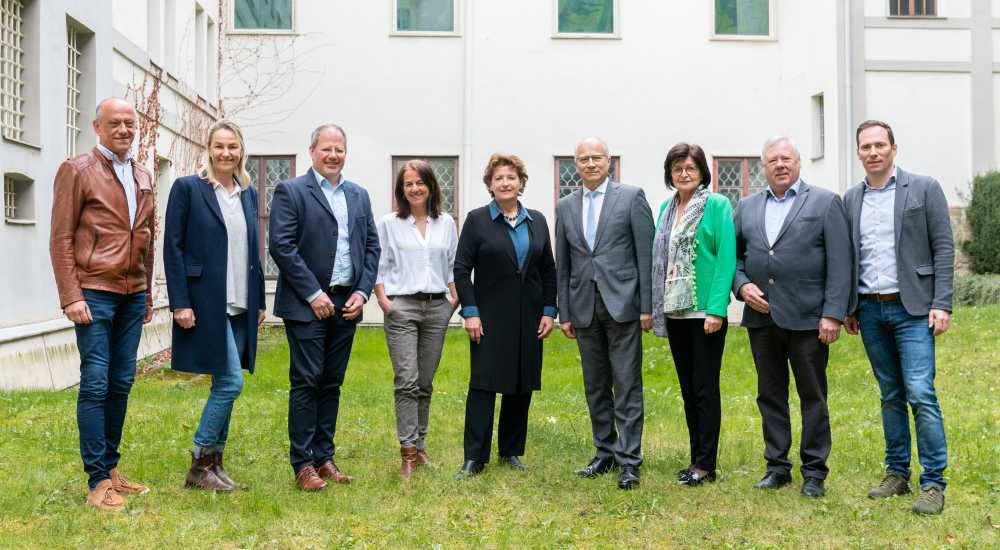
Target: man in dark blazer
[
  {"x": 604, "y": 246},
  {"x": 793, "y": 270},
  {"x": 904, "y": 266},
  {"x": 324, "y": 241}
]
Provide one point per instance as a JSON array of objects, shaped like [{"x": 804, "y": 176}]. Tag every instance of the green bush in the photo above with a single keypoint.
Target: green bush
[
  {"x": 977, "y": 290},
  {"x": 983, "y": 213}
]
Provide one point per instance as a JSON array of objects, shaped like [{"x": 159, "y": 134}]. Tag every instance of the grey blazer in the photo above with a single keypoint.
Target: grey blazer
[
  {"x": 621, "y": 262},
  {"x": 925, "y": 245},
  {"x": 806, "y": 275}
]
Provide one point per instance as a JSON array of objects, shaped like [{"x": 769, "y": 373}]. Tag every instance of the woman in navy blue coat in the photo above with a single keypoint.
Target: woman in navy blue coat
[{"x": 216, "y": 290}]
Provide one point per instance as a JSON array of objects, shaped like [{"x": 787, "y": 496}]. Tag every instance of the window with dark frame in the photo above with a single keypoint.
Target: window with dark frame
[
  {"x": 446, "y": 170},
  {"x": 265, "y": 174},
  {"x": 569, "y": 180},
  {"x": 912, "y": 8},
  {"x": 737, "y": 177}
]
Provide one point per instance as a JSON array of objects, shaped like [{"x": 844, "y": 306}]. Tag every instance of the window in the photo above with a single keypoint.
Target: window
[
  {"x": 18, "y": 199},
  {"x": 587, "y": 18},
  {"x": 446, "y": 170},
  {"x": 912, "y": 8},
  {"x": 568, "y": 180},
  {"x": 72, "y": 89},
  {"x": 266, "y": 15},
  {"x": 737, "y": 177},
  {"x": 12, "y": 70},
  {"x": 430, "y": 16},
  {"x": 743, "y": 18},
  {"x": 819, "y": 130},
  {"x": 265, "y": 173}
]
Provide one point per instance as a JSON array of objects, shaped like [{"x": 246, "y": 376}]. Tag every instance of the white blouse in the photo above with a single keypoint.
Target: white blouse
[{"x": 411, "y": 262}]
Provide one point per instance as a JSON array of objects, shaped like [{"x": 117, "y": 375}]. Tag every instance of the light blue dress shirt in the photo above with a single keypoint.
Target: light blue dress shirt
[
  {"x": 776, "y": 210},
  {"x": 343, "y": 270},
  {"x": 125, "y": 176},
  {"x": 877, "y": 263},
  {"x": 593, "y": 202},
  {"x": 520, "y": 236}
]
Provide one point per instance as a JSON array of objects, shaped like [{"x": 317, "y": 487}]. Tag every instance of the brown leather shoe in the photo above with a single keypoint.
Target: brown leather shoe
[
  {"x": 331, "y": 472},
  {"x": 125, "y": 486},
  {"x": 308, "y": 480},
  {"x": 104, "y": 497},
  {"x": 201, "y": 475},
  {"x": 220, "y": 473},
  {"x": 422, "y": 458},
  {"x": 409, "y": 455}
]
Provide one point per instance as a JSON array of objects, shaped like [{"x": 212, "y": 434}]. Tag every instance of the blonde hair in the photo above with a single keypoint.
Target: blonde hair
[{"x": 206, "y": 171}]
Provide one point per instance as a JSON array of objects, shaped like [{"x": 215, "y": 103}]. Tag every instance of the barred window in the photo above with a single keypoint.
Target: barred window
[
  {"x": 912, "y": 8},
  {"x": 737, "y": 177},
  {"x": 18, "y": 199},
  {"x": 12, "y": 69},
  {"x": 569, "y": 180},
  {"x": 446, "y": 170},
  {"x": 265, "y": 174},
  {"x": 73, "y": 75}
]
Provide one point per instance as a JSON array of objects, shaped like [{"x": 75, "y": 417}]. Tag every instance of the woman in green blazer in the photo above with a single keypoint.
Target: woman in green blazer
[{"x": 694, "y": 261}]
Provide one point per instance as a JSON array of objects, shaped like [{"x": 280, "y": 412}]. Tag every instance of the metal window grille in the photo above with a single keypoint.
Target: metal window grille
[
  {"x": 9, "y": 199},
  {"x": 446, "y": 171},
  {"x": 265, "y": 174},
  {"x": 569, "y": 180},
  {"x": 11, "y": 69},
  {"x": 72, "y": 90},
  {"x": 738, "y": 177},
  {"x": 910, "y": 8}
]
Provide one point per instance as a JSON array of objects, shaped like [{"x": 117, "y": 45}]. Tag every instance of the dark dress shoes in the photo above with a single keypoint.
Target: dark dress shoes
[
  {"x": 469, "y": 469},
  {"x": 812, "y": 487},
  {"x": 597, "y": 467},
  {"x": 514, "y": 462},
  {"x": 691, "y": 477},
  {"x": 773, "y": 480},
  {"x": 629, "y": 478}
]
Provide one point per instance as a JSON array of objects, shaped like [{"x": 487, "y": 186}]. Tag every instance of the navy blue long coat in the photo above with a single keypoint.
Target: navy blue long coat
[{"x": 195, "y": 247}]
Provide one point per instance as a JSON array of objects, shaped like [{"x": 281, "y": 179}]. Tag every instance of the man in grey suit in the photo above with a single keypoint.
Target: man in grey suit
[
  {"x": 604, "y": 243},
  {"x": 904, "y": 266},
  {"x": 793, "y": 270}
]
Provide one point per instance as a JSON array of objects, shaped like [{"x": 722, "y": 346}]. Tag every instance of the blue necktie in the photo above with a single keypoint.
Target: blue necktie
[{"x": 590, "y": 232}]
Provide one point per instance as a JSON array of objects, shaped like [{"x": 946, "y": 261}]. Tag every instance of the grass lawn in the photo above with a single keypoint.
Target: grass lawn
[{"x": 43, "y": 485}]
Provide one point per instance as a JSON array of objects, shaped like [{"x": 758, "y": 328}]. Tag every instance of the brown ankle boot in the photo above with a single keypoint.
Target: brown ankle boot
[
  {"x": 223, "y": 476},
  {"x": 422, "y": 458},
  {"x": 409, "y": 455},
  {"x": 201, "y": 475}
]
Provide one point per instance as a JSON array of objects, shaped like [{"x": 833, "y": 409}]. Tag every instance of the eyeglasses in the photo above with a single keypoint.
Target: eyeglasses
[
  {"x": 591, "y": 159},
  {"x": 678, "y": 170}
]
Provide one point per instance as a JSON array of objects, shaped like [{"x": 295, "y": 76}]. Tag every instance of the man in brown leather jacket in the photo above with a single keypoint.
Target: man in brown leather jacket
[{"x": 101, "y": 246}]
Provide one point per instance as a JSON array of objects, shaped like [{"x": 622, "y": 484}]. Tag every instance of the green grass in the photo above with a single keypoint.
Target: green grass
[{"x": 43, "y": 486}]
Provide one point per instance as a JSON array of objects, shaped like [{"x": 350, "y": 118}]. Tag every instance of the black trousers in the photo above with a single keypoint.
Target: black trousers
[
  {"x": 319, "y": 352},
  {"x": 511, "y": 433},
  {"x": 773, "y": 350},
  {"x": 698, "y": 359}
]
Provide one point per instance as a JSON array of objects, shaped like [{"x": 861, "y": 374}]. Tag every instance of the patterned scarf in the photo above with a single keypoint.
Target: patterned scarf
[{"x": 679, "y": 291}]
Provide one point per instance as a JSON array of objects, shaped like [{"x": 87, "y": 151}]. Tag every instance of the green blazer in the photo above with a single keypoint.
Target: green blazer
[{"x": 714, "y": 255}]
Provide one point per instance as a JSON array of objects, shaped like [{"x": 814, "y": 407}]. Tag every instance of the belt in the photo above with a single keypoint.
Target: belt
[
  {"x": 425, "y": 296},
  {"x": 880, "y": 297},
  {"x": 339, "y": 288}
]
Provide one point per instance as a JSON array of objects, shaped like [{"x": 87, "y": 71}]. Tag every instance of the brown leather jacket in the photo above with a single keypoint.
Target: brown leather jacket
[{"x": 91, "y": 243}]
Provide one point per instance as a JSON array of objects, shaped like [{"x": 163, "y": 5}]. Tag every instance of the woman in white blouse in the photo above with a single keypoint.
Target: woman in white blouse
[{"x": 416, "y": 291}]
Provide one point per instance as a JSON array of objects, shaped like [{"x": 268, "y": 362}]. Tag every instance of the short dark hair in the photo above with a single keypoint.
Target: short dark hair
[
  {"x": 426, "y": 173},
  {"x": 500, "y": 159},
  {"x": 871, "y": 124},
  {"x": 680, "y": 152}
]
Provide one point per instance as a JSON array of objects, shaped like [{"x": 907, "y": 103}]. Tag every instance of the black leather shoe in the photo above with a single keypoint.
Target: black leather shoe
[
  {"x": 629, "y": 478},
  {"x": 773, "y": 480},
  {"x": 812, "y": 487},
  {"x": 469, "y": 469},
  {"x": 514, "y": 462},
  {"x": 693, "y": 478},
  {"x": 597, "y": 467},
  {"x": 683, "y": 475}
]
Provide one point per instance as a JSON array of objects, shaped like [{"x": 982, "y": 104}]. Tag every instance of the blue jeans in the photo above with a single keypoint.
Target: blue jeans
[
  {"x": 900, "y": 348},
  {"x": 107, "y": 369},
  {"x": 213, "y": 428}
]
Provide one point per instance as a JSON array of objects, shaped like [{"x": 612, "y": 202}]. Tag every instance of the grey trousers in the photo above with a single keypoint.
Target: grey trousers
[
  {"x": 415, "y": 331},
  {"x": 611, "y": 353}
]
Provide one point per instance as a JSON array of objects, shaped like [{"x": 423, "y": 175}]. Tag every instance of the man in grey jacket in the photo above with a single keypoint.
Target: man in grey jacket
[
  {"x": 904, "y": 266},
  {"x": 793, "y": 270},
  {"x": 604, "y": 246}
]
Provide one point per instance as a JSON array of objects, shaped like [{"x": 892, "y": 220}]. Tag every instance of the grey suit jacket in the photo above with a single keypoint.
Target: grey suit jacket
[
  {"x": 806, "y": 274},
  {"x": 621, "y": 262},
  {"x": 925, "y": 245}
]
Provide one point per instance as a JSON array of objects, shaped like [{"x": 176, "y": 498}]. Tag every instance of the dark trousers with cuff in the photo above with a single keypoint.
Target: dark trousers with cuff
[{"x": 511, "y": 433}]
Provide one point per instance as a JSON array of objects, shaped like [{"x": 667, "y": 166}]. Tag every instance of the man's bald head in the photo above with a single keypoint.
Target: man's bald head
[
  {"x": 593, "y": 161},
  {"x": 593, "y": 142},
  {"x": 112, "y": 103},
  {"x": 115, "y": 125}
]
